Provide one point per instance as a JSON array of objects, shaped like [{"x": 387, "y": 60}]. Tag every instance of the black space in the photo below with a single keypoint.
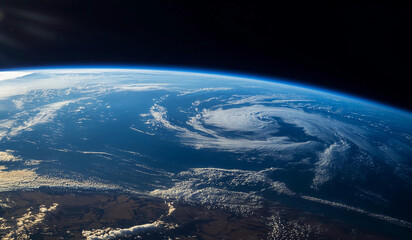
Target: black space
[{"x": 356, "y": 48}]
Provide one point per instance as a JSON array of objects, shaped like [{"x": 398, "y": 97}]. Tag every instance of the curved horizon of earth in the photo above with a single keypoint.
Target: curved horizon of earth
[{"x": 217, "y": 141}]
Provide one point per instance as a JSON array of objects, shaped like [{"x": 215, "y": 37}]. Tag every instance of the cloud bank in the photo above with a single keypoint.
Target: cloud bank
[{"x": 21, "y": 228}]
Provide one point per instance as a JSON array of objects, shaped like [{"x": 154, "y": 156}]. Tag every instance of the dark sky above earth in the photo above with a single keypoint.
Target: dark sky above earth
[{"x": 358, "y": 48}]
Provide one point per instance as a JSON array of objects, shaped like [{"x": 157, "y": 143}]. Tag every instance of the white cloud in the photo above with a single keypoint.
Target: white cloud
[
  {"x": 171, "y": 208},
  {"x": 255, "y": 128},
  {"x": 361, "y": 211},
  {"x": 236, "y": 201},
  {"x": 110, "y": 233},
  {"x": 220, "y": 188},
  {"x": 255, "y": 120},
  {"x": 22, "y": 227},
  {"x": 28, "y": 179},
  {"x": 140, "y": 131},
  {"x": 95, "y": 153},
  {"x": 14, "y": 126},
  {"x": 143, "y": 87},
  {"x": 114, "y": 233},
  {"x": 290, "y": 228},
  {"x": 19, "y": 103},
  {"x": 7, "y": 156},
  {"x": 199, "y": 102},
  {"x": 327, "y": 159},
  {"x": 230, "y": 118},
  {"x": 186, "y": 92},
  {"x": 14, "y": 88},
  {"x": 13, "y": 74},
  {"x": 159, "y": 114}
]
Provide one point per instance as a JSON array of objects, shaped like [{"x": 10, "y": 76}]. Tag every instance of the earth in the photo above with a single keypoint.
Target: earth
[{"x": 165, "y": 154}]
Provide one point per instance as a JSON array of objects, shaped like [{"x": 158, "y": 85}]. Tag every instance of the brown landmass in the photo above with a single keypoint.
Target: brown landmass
[{"x": 76, "y": 212}]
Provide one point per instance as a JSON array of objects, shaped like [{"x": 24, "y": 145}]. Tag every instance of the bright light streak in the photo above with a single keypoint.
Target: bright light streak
[{"x": 12, "y": 74}]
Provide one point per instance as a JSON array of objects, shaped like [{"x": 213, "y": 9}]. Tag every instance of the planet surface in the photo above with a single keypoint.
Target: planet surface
[{"x": 164, "y": 154}]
